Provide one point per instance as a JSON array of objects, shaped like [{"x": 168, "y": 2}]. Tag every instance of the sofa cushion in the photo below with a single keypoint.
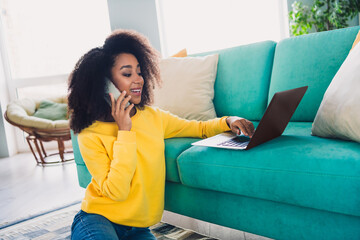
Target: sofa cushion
[
  {"x": 310, "y": 60},
  {"x": 357, "y": 40},
  {"x": 192, "y": 79},
  {"x": 242, "y": 81},
  {"x": 181, "y": 53},
  {"x": 21, "y": 112},
  {"x": 173, "y": 148},
  {"x": 295, "y": 168},
  {"x": 51, "y": 110}
]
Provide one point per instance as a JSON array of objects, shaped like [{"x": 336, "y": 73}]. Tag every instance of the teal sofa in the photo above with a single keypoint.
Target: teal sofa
[{"x": 297, "y": 186}]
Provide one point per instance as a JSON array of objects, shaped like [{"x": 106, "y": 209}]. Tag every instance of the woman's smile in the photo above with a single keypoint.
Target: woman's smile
[{"x": 136, "y": 91}]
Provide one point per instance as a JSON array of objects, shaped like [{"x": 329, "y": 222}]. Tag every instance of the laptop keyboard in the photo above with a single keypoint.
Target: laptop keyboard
[{"x": 235, "y": 142}]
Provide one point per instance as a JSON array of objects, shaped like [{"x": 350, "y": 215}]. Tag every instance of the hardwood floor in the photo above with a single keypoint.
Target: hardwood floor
[{"x": 27, "y": 189}]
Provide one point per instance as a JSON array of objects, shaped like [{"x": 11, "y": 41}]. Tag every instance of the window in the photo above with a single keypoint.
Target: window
[
  {"x": 41, "y": 41},
  {"x": 205, "y": 25},
  {"x": 45, "y": 38}
]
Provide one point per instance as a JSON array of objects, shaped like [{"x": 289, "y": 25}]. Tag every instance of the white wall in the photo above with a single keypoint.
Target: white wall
[
  {"x": 7, "y": 133},
  {"x": 139, "y": 15},
  {"x": 3, "y": 146}
]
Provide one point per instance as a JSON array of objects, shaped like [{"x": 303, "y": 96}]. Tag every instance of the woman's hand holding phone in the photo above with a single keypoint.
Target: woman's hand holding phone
[{"x": 120, "y": 112}]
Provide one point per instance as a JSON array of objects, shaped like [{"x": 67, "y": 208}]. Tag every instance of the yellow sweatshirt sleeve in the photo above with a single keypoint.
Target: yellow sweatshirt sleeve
[
  {"x": 175, "y": 126},
  {"x": 111, "y": 172}
]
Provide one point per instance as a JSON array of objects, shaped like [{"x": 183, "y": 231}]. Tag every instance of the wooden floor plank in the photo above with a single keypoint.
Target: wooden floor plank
[{"x": 27, "y": 189}]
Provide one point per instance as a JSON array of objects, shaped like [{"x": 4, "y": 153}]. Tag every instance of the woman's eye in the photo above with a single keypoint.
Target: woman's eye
[{"x": 126, "y": 75}]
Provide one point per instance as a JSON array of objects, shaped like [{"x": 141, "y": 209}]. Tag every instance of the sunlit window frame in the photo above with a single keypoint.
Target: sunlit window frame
[{"x": 284, "y": 24}]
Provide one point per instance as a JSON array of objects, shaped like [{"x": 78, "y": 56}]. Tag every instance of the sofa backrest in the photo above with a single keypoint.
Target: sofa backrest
[
  {"x": 311, "y": 60},
  {"x": 242, "y": 81}
]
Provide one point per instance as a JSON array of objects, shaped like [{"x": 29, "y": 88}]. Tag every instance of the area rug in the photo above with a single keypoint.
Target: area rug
[{"x": 55, "y": 225}]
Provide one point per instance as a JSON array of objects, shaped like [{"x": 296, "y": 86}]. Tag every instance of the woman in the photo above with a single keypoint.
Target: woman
[{"x": 123, "y": 147}]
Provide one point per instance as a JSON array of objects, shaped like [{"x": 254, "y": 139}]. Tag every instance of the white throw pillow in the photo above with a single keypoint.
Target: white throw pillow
[
  {"x": 339, "y": 112},
  {"x": 188, "y": 87}
]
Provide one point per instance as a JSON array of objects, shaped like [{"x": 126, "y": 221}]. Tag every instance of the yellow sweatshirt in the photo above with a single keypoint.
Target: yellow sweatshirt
[{"x": 128, "y": 167}]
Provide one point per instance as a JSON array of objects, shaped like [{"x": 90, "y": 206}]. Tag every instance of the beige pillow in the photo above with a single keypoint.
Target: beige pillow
[
  {"x": 188, "y": 87},
  {"x": 339, "y": 112}
]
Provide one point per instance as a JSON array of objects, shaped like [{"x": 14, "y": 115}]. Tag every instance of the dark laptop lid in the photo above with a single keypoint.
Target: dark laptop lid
[{"x": 277, "y": 115}]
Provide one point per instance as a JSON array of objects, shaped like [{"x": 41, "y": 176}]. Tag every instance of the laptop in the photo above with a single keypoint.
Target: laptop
[{"x": 272, "y": 124}]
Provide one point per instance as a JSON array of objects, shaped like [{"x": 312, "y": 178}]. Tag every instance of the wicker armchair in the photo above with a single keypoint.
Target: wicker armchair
[{"x": 20, "y": 114}]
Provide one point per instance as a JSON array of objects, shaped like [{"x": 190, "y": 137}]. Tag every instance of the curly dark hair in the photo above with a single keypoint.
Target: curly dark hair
[{"x": 87, "y": 81}]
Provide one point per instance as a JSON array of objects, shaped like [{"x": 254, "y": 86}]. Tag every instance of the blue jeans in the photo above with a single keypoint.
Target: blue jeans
[{"x": 93, "y": 226}]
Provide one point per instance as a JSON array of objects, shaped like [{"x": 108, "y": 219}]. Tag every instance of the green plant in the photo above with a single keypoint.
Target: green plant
[{"x": 324, "y": 15}]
